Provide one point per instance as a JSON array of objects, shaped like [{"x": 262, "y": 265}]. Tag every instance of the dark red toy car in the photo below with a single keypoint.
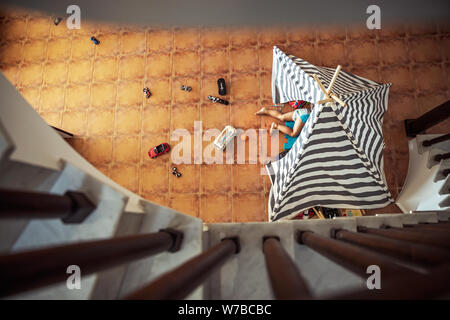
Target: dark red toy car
[{"x": 158, "y": 150}]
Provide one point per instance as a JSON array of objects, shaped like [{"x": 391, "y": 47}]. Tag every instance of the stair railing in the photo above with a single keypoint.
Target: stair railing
[
  {"x": 181, "y": 281},
  {"x": 443, "y": 156},
  {"x": 286, "y": 281},
  {"x": 31, "y": 269},
  {"x": 439, "y": 139},
  {"x": 415, "y": 126},
  {"x": 72, "y": 207},
  {"x": 416, "y": 254}
]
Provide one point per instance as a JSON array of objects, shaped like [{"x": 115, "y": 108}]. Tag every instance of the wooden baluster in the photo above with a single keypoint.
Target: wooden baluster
[
  {"x": 181, "y": 281},
  {"x": 31, "y": 269},
  {"x": 413, "y": 252},
  {"x": 72, "y": 207},
  {"x": 408, "y": 234},
  {"x": 286, "y": 280},
  {"x": 352, "y": 257}
]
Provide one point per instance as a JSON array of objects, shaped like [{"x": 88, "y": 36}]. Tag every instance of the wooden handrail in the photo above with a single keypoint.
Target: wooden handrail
[
  {"x": 285, "y": 278},
  {"x": 427, "y": 143},
  {"x": 352, "y": 257},
  {"x": 410, "y": 251},
  {"x": 35, "y": 268},
  {"x": 440, "y": 157},
  {"x": 72, "y": 207},
  {"x": 415, "y": 126},
  {"x": 427, "y": 237},
  {"x": 429, "y": 226},
  {"x": 181, "y": 281}
]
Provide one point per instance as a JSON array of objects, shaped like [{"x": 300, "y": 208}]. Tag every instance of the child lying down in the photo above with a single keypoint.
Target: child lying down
[{"x": 299, "y": 116}]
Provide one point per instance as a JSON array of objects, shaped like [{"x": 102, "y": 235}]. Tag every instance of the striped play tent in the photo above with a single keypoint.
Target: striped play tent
[{"x": 337, "y": 161}]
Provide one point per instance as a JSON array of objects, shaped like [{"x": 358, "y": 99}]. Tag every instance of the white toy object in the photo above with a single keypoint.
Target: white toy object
[{"x": 225, "y": 137}]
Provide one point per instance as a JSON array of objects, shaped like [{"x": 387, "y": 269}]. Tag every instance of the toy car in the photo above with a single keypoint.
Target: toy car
[
  {"x": 215, "y": 99},
  {"x": 158, "y": 150},
  {"x": 95, "y": 40},
  {"x": 221, "y": 86},
  {"x": 186, "y": 88},
  {"x": 147, "y": 92},
  {"x": 175, "y": 172}
]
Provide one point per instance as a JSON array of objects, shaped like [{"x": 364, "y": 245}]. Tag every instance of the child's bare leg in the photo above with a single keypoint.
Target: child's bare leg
[
  {"x": 280, "y": 127},
  {"x": 285, "y": 129},
  {"x": 298, "y": 125},
  {"x": 275, "y": 114},
  {"x": 273, "y": 126},
  {"x": 268, "y": 112}
]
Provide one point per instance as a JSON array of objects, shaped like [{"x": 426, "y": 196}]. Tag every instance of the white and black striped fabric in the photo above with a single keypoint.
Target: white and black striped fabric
[{"x": 337, "y": 161}]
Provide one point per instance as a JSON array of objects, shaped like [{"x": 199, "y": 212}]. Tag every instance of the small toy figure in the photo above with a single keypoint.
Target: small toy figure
[
  {"x": 95, "y": 40},
  {"x": 158, "y": 150},
  {"x": 57, "y": 20},
  {"x": 147, "y": 92},
  {"x": 185, "y": 88},
  {"x": 222, "y": 87},
  {"x": 215, "y": 99},
  {"x": 175, "y": 172},
  {"x": 227, "y": 134}
]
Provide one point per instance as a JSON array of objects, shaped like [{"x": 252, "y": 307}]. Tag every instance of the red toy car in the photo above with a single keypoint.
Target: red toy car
[{"x": 158, "y": 150}]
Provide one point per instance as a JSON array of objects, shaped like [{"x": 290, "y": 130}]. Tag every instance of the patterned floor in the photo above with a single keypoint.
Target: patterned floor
[{"x": 96, "y": 93}]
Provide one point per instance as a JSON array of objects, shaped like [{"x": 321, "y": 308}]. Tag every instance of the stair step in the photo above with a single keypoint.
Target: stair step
[
  {"x": 431, "y": 157},
  {"x": 109, "y": 282},
  {"x": 21, "y": 176},
  {"x": 244, "y": 276},
  {"x": 420, "y": 217},
  {"x": 431, "y": 202},
  {"x": 445, "y": 202},
  {"x": 445, "y": 189},
  {"x": 324, "y": 276},
  {"x": 444, "y": 145},
  {"x": 445, "y": 165},
  {"x": 420, "y": 190},
  {"x": 156, "y": 217},
  {"x": 101, "y": 224},
  {"x": 379, "y": 220},
  {"x": 443, "y": 215},
  {"x": 6, "y": 144}
]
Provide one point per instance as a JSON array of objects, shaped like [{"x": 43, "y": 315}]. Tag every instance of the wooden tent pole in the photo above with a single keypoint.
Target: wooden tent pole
[
  {"x": 321, "y": 86},
  {"x": 342, "y": 103},
  {"x": 329, "y": 97},
  {"x": 333, "y": 80}
]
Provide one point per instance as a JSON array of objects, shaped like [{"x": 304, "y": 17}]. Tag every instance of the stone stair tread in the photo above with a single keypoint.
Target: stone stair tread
[
  {"x": 444, "y": 165},
  {"x": 101, "y": 224},
  {"x": 445, "y": 189},
  {"x": 433, "y": 153},
  {"x": 244, "y": 276},
  {"x": 444, "y": 145},
  {"x": 445, "y": 203},
  {"x": 156, "y": 217},
  {"x": 420, "y": 190},
  {"x": 6, "y": 144}
]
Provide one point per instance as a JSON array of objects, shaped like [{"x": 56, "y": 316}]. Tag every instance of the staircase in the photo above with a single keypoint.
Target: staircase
[
  {"x": 38, "y": 159},
  {"x": 427, "y": 183},
  {"x": 214, "y": 261}
]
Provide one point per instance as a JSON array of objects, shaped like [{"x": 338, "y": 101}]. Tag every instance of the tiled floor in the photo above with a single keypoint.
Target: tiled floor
[{"x": 96, "y": 93}]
